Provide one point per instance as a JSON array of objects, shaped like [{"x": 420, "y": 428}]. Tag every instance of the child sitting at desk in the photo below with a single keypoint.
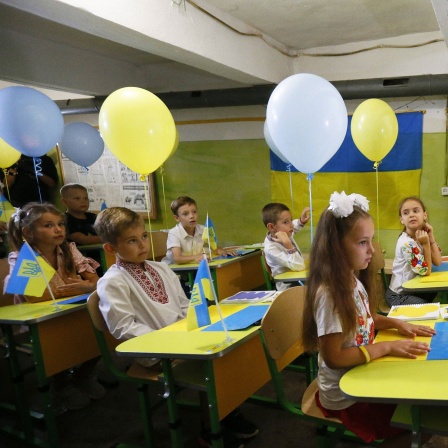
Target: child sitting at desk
[
  {"x": 340, "y": 323},
  {"x": 185, "y": 243},
  {"x": 280, "y": 250},
  {"x": 415, "y": 253},
  {"x": 138, "y": 296},
  {"x": 79, "y": 221},
  {"x": 43, "y": 227}
]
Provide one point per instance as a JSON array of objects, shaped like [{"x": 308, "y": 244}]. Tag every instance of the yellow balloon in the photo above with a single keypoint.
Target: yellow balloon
[
  {"x": 138, "y": 128},
  {"x": 8, "y": 155},
  {"x": 374, "y": 129},
  {"x": 176, "y": 144}
]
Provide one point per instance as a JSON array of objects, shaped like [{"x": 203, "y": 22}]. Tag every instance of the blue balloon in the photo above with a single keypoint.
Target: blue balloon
[
  {"x": 271, "y": 144},
  {"x": 81, "y": 143},
  {"x": 29, "y": 120}
]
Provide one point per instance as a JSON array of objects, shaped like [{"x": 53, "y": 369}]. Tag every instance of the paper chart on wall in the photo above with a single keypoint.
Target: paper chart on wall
[{"x": 110, "y": 182}]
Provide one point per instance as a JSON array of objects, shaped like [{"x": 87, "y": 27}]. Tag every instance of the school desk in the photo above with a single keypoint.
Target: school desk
[
  {"x": 292, "y": 276},
  {"x": 230, "y": 275},
  {"x": 394, "y": 380},
  {"x": 60, "y": 339},
  {"x": 435, "y": 282},
  {"x": 230, "y": 371}
]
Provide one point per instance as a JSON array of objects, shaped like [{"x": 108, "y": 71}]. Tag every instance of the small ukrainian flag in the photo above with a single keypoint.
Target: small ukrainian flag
[
  {"x": 209, "y": 234},
  {"x": 198, "y": 315},
  {"x": 6, "y": 209},
  {"x": 30, "y": 274}
]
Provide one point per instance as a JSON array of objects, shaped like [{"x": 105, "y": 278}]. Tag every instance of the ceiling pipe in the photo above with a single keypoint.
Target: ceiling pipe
[{"x": 425, "y": 85}]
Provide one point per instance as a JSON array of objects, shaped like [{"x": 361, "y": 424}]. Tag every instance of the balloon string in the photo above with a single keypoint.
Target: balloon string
[
  {"x": 375, "y": 166},
  {"x": 38, "y": 171},
  {"x": 309, "y": 178},
  {"x": 144, "y": 179},
  {"x": 162, "y": 173},
  {"x": 288, "y": 168},
  {"x": 5, "y": 172}
]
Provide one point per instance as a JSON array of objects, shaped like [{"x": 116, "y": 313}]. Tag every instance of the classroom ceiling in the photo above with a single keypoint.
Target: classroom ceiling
[{"x": 289, "y": 26}]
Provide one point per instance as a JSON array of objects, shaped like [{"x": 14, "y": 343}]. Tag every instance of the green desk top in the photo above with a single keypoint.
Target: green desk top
[
  {"x": 32, "y": 313},
  {"x": 416, "y": 283},
  {"x": 291, "y": 276}
]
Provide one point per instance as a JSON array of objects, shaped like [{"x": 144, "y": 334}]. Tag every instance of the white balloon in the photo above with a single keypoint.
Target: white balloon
[
  {"x": 307, "y": 121},
  {"x": 272, "y": 147}
]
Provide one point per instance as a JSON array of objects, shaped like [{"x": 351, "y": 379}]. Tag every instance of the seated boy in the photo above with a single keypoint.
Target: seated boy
[
  {"x": 79, "y": 221},
  {"x": 137, "y": 295},
  {"x": 185, "y": 243},
  {"x": 281, "y": 251}
]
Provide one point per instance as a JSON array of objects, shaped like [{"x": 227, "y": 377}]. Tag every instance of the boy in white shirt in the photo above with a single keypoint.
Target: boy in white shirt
[{"x": 280, "y": 250}]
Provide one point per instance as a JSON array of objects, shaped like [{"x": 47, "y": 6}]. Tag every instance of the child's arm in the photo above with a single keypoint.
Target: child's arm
[
  {"x": 436, "y": 256},
  {"x": 223, "y": 252},
  {"x": 75, "y": 287},
  {"x": 179, "y": 258},
  {"x": 403, "y": 327},
  {"x": 285, "y": 255},
  {"x": 81, "y": 238},
  {"x": 336, "y": 356},
  {"x": 422, "y": 237}
]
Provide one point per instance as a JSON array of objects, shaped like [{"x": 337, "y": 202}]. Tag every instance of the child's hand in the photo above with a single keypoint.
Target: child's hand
[
  {"x": 226, "y": 253},
  {"x": 422, "y": 236},
  {"x": 282, "y": 238},
  {"x": 429, "y": 230},
  {"x": 74, "y": 287},
  {"x": 408, "y": 348},
  {"x": 411, "y": 330},
  {"x": 199, "y": 257},
  {"x": 305, "y": 216}
]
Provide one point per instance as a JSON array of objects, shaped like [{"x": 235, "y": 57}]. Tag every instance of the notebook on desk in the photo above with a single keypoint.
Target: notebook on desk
[
  {"x": 76, "y": 299},
  {"x": 241, "y": 319}
]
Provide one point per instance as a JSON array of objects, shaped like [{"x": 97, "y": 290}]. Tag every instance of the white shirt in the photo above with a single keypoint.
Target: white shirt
[
  {"x": 129, "y": 311},
  {"x": 279, "y": 260},
  {"x": 189, "y": 245}
]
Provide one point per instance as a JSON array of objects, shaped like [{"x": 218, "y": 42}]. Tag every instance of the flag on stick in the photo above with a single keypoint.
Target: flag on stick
[
  {"x": 198, "y": 315},
  {"x": 30, "y": 275},
  {"x": 6, "y": 209},
  {"x": 209, "y": 234}
]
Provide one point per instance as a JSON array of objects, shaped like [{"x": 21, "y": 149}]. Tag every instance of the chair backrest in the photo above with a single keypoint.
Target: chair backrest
[
  {"x": 5, "y": 299},
  {"x": 378, "y": 263},
  {"x": 267, "y": 272},
  {"x": 282, "y": 324},
  {"x": 158, "y": 242}
]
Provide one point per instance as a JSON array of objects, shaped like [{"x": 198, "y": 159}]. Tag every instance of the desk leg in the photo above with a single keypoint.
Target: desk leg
[
  {"x": 416, "y": 436},
  {"x": 215, "y": 425},
  {"x": 18, "y": 380},
  {"x": 170, "y": 395},
  {"x": 43, "y": 387}
]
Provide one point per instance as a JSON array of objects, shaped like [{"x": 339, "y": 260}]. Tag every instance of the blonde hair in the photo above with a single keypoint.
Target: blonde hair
[{"x": 69, "y": 187}]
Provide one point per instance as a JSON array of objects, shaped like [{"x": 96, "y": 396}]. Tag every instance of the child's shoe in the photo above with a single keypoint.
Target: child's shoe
[
  {"x": 71, "y": 398},
  {"x": 90, "y": 386},
  {"x": 237, "y": 424},
  {"x": 230, "y": 441}
]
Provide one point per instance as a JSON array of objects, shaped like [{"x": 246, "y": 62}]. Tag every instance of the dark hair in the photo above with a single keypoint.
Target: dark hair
[
  {"x": 27, "y": 218},
  {"x": 410, "y": 198},
  {"x": 111, "y": 223},
  {"x": 180, "y": 201},
  {"x": 330, "y": 272},
  {"x": 69, "y": 187},
  {"x": 272, "y": 211}
]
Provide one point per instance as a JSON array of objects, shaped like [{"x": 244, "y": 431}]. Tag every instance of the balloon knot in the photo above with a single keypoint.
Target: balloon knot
[
  {"x": 142, "y": 177},
  {"x": 310, "y": 176},
  {"x": 376, "y": 164}
]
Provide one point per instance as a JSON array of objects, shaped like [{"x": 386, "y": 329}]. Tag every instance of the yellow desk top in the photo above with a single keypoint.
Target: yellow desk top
[
  {"x": 32, "y": 313},
  {"x": 424, "y": 284},
  {"x": 174, "y": 341},
  {"x": 215, "y": 263},
  {"x": 291, "y": 276}
]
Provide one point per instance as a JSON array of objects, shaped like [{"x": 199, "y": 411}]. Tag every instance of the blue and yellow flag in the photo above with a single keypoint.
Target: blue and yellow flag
[
  {"x": 198, "y": 315},
  {"x": 27, "y": 277},
  {"x": 6, "y": 209},
  {"x": 209, "y": 234}
]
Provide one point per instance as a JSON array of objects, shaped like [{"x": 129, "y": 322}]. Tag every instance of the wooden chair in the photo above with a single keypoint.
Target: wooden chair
[
  {"x": 378, "y": 264},
  {"x": 280, "y": 332},
  {"x": 267, "y": 273},
  {"x": 185, "y": 373}
]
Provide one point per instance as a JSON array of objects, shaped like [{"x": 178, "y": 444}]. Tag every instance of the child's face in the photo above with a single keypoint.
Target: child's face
[
  {"x": 48, "y": 231},
  {"x": 283, "y": 224},
  {"x": 412, "y": 215},
  {"x": 187, "y": 215},
  {"x": 76, "y": 200},
  {"x": 358, "y": 244},
  {"x": 133, "y": 244}
]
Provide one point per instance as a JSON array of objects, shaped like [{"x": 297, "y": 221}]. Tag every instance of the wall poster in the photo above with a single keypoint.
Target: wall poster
[{"x": 111, "y": 184}]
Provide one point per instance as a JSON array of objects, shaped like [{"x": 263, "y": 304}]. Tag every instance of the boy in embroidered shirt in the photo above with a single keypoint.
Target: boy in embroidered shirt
[
  {"x": 138, "y": 296},
  {"x": 185, "y": 243},
  {"x": 280, "y": 250}
]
